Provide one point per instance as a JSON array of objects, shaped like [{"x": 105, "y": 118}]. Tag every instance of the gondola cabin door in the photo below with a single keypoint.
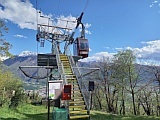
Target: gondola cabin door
[{"x": 81, "y": 47}]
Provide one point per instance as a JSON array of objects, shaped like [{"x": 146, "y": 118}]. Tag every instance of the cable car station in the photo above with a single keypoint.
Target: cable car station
[{"x": 68, "y": 89}]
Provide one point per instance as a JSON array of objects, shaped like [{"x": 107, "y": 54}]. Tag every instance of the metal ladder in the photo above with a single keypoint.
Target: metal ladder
[{"x": 77, "y": 105}]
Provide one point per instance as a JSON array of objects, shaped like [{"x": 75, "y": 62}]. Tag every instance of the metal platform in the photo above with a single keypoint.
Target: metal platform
[{"x": 50, "y": 59}]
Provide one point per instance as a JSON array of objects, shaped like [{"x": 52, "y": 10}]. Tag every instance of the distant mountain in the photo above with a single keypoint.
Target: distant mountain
[
  {"x": 28, "y": 58},
  {"x": 27, "y": 53}
]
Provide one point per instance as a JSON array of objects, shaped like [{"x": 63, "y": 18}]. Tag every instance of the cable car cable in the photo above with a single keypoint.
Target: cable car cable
[
  {"x": 86, "y": 5},
  {"x": 37, "y": 41}
]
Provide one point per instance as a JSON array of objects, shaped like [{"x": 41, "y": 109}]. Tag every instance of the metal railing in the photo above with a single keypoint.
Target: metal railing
[
  {"x": 82, "y": 83},
  {"x": 60, "y": 65},
  {"x": 61, "y": 70}
]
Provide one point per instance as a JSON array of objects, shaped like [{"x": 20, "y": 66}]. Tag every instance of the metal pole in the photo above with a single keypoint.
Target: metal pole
[
  {"x": 48, "y": 108},
  {"x": 90, "y": 92},
  {"x": 48, "y": 92}
]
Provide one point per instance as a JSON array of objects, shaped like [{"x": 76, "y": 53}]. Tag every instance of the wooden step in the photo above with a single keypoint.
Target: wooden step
[
  {"x": 66, "y": 66},
  {"x": 64, "y": 59},
  {"x": 77, "y": 98},
  {"x": 66, "y": 63},
  {"x": 77, "y": 106},
  {"x": 75, "y": 86},
  {"x": 74, "y": 83},
  {"x": 76, "y": 94},
  {"x": 78, "y": 111},
  {"x": 70, "y": 76},
  {"x": 63, "y": 56},
  {"x": 76, "y": 91},
  {"x": 76, "y": 102},
  {"x": 79, "y": 116},
  {"x": 70, "y": 71},
  {"x": 72, "y": 80}
]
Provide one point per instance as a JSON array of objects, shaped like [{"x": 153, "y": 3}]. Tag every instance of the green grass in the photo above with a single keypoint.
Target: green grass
[
  {"x": 96, "y": 115},
  {"x": 26, "y": 112},
  {"x": 30, "y": 112}
]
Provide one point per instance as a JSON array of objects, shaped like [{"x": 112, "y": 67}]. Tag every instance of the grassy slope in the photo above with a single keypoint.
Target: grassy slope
[
  {"x": 95, "y": 115},
  {"x": 29, "y": 112}
]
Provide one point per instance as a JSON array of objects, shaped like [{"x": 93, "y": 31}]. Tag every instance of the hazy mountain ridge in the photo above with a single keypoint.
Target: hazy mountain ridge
[
  {"x": 14, "y": 63},
  {"x": 31, "y": 60}
]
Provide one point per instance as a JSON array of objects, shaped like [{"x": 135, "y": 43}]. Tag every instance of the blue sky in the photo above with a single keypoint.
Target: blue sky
[{"x": 111, "y": 25}]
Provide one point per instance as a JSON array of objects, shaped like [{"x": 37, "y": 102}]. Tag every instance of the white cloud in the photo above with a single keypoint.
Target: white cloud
[
  {"x": 151, "y": 50},
  {"x": 19, "y": 36},
  {"x": 62, "y": 21},
  {"x": 90, "y": 49},
  {"x": 98, "y": 56},
  {"x": 24, "y": 15},
  {"x": 154, "y": 3},
  {"x": 106, "y": 47},
  {"x": 21, "y": 13},
  {"x": 148, "y": 54},
  {"x": 151, "y": 5},
  {"x": 119, "y": 49},
  {"x": 87, "y": 25}
]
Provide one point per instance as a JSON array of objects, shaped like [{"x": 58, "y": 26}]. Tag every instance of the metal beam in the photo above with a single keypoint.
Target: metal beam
[{"x": 55, "y": 27}]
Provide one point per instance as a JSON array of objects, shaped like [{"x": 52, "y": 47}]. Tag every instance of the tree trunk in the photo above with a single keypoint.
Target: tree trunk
[
  {"x": 99, "y": 102},
  {"x": 116, "y": 106},
  {"x": 133, "y": 100},
  {"x": 138, "y": 108},
  {"x": 123, "y": 104}
]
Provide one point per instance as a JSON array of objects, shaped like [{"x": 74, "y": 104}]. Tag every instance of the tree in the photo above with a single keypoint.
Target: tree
[
  {"x": 145, "y": 99},
  {"x": 133, "y": 78},
  {"x": 4, "y": 45},
  {"x": 107, "y": 86},
  {"x": 10, "y": 86},
  {"x": 155, "y": 71},
  {"x": 125, "y": 71}
]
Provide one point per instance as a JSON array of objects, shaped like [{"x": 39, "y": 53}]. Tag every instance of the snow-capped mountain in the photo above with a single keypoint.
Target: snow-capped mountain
[
  {"x": 27, "y": 53},
  {"x": 2, "y": 58}
]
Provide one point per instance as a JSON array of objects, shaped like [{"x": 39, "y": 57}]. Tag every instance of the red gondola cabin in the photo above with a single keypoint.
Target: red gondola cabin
[{"x": 81, "y": 47}]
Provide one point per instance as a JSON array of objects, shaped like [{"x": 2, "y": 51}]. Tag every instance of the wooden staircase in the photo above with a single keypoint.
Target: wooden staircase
[{"x": 77, "y": 106}]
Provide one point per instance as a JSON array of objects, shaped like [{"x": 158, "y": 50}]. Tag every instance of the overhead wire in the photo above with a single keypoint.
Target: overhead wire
[
  {"x": 37, "y": 41},
  {"x": 86, "y": 5},
  {"x": 78, "y": 20},
  {"x": 37, "y": 22}
]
